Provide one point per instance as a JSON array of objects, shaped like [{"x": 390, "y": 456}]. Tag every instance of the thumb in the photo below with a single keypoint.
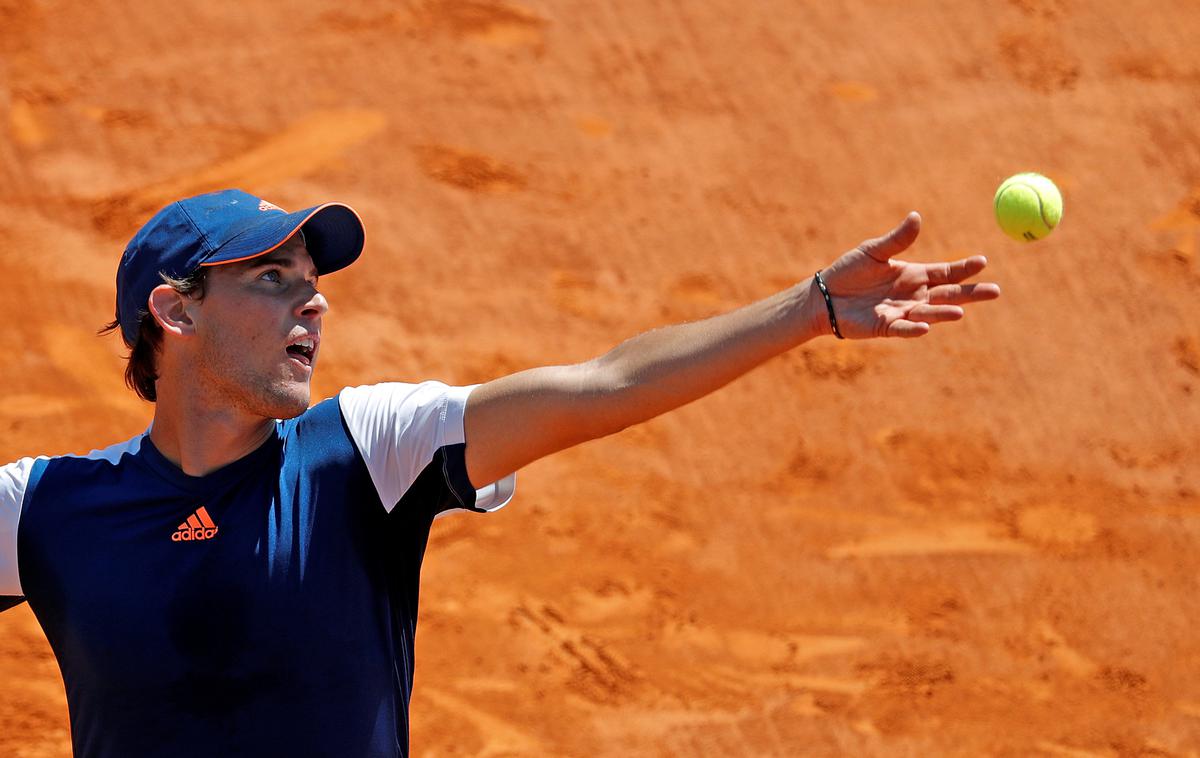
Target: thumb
[{"x": 896, "y": 241}]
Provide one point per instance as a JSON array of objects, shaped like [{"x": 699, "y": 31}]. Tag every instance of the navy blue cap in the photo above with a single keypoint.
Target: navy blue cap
[{"x": 224, "y": 227}]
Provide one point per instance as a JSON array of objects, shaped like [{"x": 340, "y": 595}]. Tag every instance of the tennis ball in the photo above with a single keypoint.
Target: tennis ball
[{"x": 1028, "y": 206}]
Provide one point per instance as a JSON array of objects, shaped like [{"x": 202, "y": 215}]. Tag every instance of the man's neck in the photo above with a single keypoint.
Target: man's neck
[{"x": 201, "y": 437}]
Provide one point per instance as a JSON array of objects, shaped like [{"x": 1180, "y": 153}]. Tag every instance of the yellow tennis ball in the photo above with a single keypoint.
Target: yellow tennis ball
[{"x": 1028, "y": 206}]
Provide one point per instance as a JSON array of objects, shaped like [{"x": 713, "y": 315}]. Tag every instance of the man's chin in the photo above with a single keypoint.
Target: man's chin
[
  {"x": 290, "y": 402},
  {"x": 295, "y": 408},
  {"x": 287, "y": 413}
]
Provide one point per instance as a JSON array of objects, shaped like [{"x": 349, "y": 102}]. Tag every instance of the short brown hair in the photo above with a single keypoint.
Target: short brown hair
[{"x": 141, "y": 371}]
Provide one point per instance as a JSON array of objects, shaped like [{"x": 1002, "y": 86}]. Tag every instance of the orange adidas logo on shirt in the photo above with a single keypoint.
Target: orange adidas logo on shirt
[{"x": 199, "y": 526}]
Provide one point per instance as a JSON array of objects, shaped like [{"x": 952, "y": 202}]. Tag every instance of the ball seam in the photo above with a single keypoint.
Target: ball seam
[{"x": 1038, "y": 195}]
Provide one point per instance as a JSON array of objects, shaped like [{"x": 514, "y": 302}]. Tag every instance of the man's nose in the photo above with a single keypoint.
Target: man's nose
[{"x": 315, "y": 306}]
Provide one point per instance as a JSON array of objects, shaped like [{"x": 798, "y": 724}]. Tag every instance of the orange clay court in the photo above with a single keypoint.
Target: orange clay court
[{"x": 978, "y": 543}]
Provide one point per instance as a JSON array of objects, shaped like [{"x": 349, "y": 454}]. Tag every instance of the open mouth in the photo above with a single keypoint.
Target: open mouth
[{"x": 303, "y": 350}]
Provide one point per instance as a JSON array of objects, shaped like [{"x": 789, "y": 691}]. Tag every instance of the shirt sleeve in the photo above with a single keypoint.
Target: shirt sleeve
[
  {"x": 14, "y": 479},
  {"x": 400, "y": 429}
]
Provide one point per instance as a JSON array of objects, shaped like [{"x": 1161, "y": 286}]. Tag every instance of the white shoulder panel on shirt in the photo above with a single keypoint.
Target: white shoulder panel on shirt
[
  {"x": 13, "y": 479},
  {"x": 398, "y": 428}
]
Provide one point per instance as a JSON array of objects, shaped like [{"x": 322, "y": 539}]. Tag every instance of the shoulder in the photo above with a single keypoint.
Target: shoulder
[
  {"x": 14, "y": 478},
  {"x": 392, "y": 397},
  {"x": 402, "y": 431},
  {"x": 429, "y": 410},
  {"x": 21, "y": 479},
  {"x": 379, "y": 420},
  {"x": 110, "y": 457}
]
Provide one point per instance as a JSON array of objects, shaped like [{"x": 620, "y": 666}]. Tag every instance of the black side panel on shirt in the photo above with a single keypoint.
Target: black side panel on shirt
[
  {"x": 442, "y": 485},
  {"x": 407, "y": 536},
  {"x": 454, "y": 471},
  {"x": 8, "y": 601}
]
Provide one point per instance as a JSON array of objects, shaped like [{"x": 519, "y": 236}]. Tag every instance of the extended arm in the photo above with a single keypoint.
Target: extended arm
[{"x": 517, "y": 419}]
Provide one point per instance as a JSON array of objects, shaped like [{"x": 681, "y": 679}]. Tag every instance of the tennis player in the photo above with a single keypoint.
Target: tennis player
[{"x": 241, "y": 579}]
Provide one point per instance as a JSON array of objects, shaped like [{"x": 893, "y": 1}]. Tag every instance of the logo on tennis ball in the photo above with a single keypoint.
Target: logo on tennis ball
[{"x": 1028, "y": 206}]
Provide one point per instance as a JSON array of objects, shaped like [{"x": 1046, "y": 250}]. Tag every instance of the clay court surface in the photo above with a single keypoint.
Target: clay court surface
[{"x": 980, "y": 543}]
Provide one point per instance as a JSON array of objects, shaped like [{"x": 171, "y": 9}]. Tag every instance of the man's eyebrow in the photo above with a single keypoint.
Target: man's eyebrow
[
  {"x": 271, "y": 259},
  {"x": 274, "y": 259}
]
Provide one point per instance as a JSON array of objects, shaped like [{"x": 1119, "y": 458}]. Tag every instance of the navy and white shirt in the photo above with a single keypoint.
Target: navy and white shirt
[{"x": 265, "y": 609}]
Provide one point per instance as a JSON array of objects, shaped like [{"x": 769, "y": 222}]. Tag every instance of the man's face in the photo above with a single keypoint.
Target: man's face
[{"x": 258, "y": 331}]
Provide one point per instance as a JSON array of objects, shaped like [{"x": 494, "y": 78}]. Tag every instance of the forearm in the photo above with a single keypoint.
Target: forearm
[
  {"x": 666, "y": 368},
  {"x": 518, "y": 419}
]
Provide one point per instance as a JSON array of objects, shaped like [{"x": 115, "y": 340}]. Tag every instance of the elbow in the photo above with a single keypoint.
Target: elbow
[
  {"x": 601, "y": 376},
  {"x": 607, "y": 395}
]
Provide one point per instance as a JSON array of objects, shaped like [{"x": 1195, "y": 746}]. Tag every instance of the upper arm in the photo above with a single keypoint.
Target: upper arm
[
  {"x": 517, "y": 419},
  {"x": 399, "y": 429},
  {"x": 14, "y": 479}
]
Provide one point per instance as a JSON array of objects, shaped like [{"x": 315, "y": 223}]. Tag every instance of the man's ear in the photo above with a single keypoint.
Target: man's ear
[{"x": 171, "y": 310}]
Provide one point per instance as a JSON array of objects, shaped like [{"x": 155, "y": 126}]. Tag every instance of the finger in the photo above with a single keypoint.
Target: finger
[
  {"x": 934, "y": 314},
  {"x": 959, "y": 294},
  {"x": 905, "y": 328},
  {"x": 896, "y": 241},
  {"x": 952, "y": 272}
]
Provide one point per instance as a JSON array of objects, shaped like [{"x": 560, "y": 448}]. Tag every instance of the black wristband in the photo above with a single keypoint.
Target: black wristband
[{"x": 828, "y": 304}]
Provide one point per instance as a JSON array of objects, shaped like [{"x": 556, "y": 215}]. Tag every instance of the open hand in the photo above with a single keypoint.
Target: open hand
[{"x": 875, "y": 295}]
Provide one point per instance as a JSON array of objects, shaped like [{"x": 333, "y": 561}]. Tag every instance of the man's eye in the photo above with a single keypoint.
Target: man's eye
[{"x": 271, "y": 276}]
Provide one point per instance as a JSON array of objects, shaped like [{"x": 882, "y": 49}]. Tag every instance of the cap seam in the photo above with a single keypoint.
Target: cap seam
[{"x": 207, "y": 243}]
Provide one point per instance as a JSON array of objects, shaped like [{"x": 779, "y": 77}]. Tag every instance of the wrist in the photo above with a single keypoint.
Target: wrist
[
  {"x": 827, "y": 299},
  {"x": 808, "y": 308}
]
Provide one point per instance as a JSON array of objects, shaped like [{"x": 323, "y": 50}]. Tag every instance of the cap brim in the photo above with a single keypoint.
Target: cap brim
[{"x": 333, "y": 234}]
